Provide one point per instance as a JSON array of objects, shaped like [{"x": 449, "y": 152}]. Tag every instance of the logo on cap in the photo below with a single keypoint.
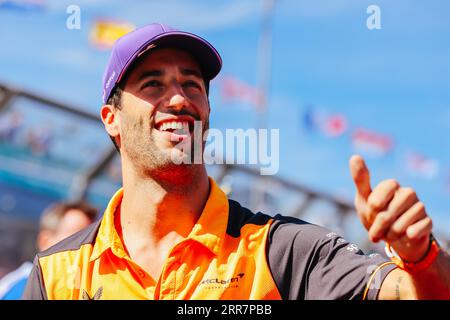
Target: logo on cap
[{"x": 110, "y": 79}]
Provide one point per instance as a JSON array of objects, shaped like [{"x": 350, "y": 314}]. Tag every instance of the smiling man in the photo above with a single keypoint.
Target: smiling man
[{"x": 171, "y": 233}]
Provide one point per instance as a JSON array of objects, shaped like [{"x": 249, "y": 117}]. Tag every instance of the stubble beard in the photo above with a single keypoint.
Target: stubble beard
[{"x": 149, "y": 161}]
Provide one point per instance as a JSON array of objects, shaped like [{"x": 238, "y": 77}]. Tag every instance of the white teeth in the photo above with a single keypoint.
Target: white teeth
[{"x": 175, "y": 125}]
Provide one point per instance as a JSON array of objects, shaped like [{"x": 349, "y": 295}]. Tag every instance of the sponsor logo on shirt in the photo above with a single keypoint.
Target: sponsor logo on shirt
[
  {"x": 216, "y": 283},
  {"x": 96, "y": 296}
]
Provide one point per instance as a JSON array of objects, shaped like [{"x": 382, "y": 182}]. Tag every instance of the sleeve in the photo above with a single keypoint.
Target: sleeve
[
  {"x": 310, "y": 262},
  {"x": 35, "y": 287},
  {"x": 16, "y": 291}
]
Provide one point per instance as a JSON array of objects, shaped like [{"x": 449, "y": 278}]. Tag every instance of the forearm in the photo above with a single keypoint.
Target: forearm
[
  {"x": 434, "y": 282},
  {"x": 430, "y": 284}
]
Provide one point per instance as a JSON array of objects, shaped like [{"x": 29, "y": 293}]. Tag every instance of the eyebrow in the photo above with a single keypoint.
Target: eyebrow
[
  {"x": 191, "y": 72},
  {"x": 150, "y": 73}
]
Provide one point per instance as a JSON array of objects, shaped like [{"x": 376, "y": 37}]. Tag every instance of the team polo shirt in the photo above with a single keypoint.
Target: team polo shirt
[{"x": 231, "y": 253}]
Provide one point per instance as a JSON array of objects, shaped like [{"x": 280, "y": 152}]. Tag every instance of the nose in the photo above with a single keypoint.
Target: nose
[{"x": 177, "y": 101}]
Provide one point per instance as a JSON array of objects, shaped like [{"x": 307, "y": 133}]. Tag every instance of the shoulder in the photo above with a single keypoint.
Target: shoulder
[
  {"x": 240, "y": 216},
  {"x": 51, "y": 267},
  {"x": 283, "y": 229},
  {"x": 289, "y": 231},
  {"x": 73, "y": 242}
]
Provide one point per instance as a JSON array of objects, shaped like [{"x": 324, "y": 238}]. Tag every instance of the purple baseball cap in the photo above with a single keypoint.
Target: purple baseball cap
[{"x": 131, "y": 46}]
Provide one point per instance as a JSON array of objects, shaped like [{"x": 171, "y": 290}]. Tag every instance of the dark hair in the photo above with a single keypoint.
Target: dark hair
[
  {"x": 52, "y": 215},
  {"x": 115, "y": 99}
]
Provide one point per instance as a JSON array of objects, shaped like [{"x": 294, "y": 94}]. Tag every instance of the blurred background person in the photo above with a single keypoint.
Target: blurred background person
[
  {"x": 57, "y": 222},
  {"x": 10, "y": 127}
]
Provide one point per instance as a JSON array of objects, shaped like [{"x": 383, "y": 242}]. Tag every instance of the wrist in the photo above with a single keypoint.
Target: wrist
[{"x": 415, "y": 266}]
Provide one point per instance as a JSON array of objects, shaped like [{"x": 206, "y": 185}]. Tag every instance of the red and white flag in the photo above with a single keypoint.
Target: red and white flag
[
  {"x": 420, "y": 165},
  {"x": 233, "y": 89},
  {"x": 334, "y": 125},
  {"x": 331, "y": 125},
  {"x": 372, "y": 142}
]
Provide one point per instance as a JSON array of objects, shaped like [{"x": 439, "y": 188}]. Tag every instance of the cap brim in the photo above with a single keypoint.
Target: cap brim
[{"x": 206, "y": 55}]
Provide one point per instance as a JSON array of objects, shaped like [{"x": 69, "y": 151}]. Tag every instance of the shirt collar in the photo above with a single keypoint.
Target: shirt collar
[
  {"x": 209, "y": 230},
  {"x": 107, "y": 237}
]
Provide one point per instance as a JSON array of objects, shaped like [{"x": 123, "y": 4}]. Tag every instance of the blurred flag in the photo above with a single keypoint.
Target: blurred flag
[
  {"x": 105, "y": 32},
  {"x": 309, "y": 118},
  {"x": 371, "y": 142},
  {"x": 420, "y": 165},
  {"x": 332, "y": 125},
  {"x": 23, "y": 5},
  {"x": 237, "y": 90},
  {"x": 448, "y": 181}
]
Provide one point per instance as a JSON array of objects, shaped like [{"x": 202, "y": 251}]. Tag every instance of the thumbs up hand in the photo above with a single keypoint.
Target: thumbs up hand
[{"x": 391, "y": 213}]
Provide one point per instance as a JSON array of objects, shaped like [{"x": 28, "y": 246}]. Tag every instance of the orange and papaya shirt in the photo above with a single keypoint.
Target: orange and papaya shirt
[{"x": 231, "y": 253}]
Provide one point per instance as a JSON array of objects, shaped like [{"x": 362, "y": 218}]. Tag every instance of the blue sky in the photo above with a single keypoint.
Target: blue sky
[{"x": 394, "y": 80}]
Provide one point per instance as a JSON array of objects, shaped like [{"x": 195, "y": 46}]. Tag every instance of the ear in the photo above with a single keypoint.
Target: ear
[{"x": 110, "y": 120}]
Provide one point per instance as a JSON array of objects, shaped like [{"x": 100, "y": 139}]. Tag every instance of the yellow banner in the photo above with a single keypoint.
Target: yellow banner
[{"x": 105, "y": 32}]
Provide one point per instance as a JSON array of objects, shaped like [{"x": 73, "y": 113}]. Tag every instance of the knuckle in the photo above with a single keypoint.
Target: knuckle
[
  {"x": 410, "y": 192},
  {"x": 428, "y": 222},
  {"x": 393, "y": 183},
  {"x": 420, "y": 207},
  {"x": 411, "y": 231},
  {"x": 399, "y": 227},
  {"x": 374, "y": 204},
  {"x": 396, "y": 231},
  {"x": 383, "y": 219},
  {"x": 389, "y": 184}
]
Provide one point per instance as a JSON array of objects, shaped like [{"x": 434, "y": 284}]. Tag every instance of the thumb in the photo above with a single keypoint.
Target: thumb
[{"x": 361, "y": 176}]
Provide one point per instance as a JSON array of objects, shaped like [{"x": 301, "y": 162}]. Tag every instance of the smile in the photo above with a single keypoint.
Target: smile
[
  {"x": 174, "y": 126},
  {"x": 176, "y": 129}
]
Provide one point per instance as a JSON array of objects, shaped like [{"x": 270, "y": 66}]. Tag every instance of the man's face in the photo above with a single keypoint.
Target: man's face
[
  {"x": 163, "y": 96},
  {"x": 73, "y": 221}
]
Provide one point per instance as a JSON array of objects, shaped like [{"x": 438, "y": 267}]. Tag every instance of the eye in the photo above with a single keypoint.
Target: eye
[
  {"x": 192, "y": 84},
  {"x": 152, "y": 83}
]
